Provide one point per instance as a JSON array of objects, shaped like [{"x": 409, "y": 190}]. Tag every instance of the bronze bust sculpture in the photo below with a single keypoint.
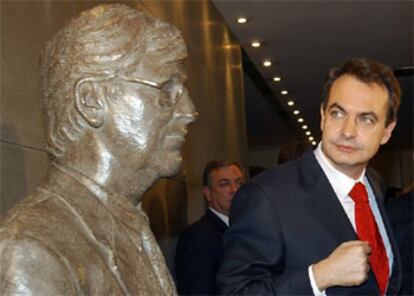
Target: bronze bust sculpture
[{"x": 117, "y": 110}]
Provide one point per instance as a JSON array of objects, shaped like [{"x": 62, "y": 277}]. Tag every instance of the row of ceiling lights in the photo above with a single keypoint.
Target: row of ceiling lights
[{"x": 290, "y": 103}]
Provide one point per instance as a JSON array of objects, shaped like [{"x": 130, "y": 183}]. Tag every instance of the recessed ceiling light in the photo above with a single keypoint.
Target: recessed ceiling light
[
  {"x": 267, "y": 63},
  {"x": 291, "y": 103},
  {"x": 284, "y": 92},
  {"x": 310, "y": 138},
  {"x": 296, "y": 112},
  {"x": 314, "y": 143},
  {"x": 277, "y": 78},
  {"x": 300, "y": 119},
  {"x": 255, "y": 44},
  {"x": 308, "y": 133},
  {"x": 304, "y": 126},
  {"x": 242, "y": 20}
]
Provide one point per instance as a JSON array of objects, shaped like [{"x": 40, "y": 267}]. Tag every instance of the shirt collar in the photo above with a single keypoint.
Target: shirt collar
[
  {"x": 341, "y": 183},
  {"x": 222, "y": 217}
]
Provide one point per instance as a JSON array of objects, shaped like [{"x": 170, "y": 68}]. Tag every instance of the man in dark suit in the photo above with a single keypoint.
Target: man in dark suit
[
  {"x": 317, "y": 225},
  {"x": 200, "y": 250}
]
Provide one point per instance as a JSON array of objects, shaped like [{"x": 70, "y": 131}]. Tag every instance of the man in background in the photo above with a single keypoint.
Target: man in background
[{"x": 199, "y": 250}]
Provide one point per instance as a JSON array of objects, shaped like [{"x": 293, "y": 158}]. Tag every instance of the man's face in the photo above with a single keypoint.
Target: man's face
[
  {"x": 353, "y": 124},
  {"x": 150, "y": 123},
  {"x": 224, "y": 182}
]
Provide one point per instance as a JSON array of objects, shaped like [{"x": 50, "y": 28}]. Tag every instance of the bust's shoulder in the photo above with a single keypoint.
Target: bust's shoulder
[
  {"x": 31, "y": 265},
  {"x": 32, "y": 210},
  {"x": 40, "y": 220}
]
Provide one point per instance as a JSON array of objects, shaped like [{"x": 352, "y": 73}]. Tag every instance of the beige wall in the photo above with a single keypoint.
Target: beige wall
[{"x": 215, "y": 84}]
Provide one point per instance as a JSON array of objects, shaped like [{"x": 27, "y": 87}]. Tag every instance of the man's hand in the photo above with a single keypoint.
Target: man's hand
[{"x": 347, "y": 265}]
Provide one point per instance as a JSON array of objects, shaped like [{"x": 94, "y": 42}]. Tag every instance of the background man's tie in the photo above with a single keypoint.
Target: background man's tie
[{"x": 367, "y": 230}]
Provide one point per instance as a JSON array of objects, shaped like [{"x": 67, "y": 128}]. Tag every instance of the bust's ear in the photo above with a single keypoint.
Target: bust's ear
[{"x": 89, "y": 101}]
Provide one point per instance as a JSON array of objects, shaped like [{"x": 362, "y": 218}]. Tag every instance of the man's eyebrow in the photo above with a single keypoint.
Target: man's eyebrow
[
  {"x": 223, "y": 179},
  {"x": 336, "y": 105}
]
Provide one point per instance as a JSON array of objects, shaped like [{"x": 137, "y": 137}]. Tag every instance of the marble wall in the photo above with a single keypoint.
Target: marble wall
[{"x": 215, "y": 83}]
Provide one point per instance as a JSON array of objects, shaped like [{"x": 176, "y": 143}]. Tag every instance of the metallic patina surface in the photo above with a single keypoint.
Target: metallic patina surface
[{"x": 116, "y": 112}]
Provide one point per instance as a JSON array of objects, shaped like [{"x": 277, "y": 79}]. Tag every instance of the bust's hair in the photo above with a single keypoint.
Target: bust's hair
[{"x": 99, "y": 43}]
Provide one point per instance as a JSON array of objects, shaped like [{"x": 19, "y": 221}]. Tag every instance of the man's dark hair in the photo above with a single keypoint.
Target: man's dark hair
[
  {"x": 214, "y": 165},
  {"x": 367, "y": 71}
]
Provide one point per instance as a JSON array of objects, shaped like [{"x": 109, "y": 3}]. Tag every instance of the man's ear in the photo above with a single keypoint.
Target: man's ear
[
  {"x": 388, "y": 132},
  {"x": 89, "y": 101},
  {"x": 322, "y": 112},
  {"x": 207, "y": 193}
]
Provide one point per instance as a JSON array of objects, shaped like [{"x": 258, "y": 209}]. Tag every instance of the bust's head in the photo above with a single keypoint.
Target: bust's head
[{"x": 117, "y": 74}]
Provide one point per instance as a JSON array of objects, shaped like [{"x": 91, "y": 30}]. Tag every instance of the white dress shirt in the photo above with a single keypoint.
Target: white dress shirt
[
  {"x": 222, "y": 217},
  {"x": 342, "y": 185}
]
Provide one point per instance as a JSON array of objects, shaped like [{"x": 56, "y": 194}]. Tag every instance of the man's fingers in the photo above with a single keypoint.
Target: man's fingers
[
  {"x": 366, "y": 247},
  {"x": 354, "y": 243}
]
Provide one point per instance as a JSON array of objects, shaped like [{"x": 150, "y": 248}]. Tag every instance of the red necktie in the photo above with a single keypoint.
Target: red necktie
[{"x": 367, "y": 230}]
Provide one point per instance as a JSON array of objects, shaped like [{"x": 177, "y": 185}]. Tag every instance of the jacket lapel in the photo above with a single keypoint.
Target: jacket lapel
[
  {"x": 327, "y": 210},
  {"x": 221, "y": 226},
  {"x": 396, "y": 275},
  {"x": 322, "y": 202}
]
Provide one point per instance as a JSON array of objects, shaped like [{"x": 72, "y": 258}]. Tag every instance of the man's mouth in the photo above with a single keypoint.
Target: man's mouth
[{"x": 346, "y": 148}]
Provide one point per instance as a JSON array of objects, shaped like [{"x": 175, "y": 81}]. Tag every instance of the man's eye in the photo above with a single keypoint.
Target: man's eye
[
  {"x": 240, "y": 183},
  {"x": 224, "y": 184},
  {"x": 337, "y": 114},
  {"x": 366, "y": 120}
]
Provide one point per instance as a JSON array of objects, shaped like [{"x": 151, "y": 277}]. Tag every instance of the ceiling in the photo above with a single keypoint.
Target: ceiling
[{"x": 304, "y": 39}]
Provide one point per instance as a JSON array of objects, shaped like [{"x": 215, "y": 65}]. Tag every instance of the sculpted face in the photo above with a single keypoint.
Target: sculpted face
[
  {"x": 166, "y": 158},
  {"x": 224, "y": 182},
  {"x": 148, "y": 121},
  {"x": 353, "y": 124}
]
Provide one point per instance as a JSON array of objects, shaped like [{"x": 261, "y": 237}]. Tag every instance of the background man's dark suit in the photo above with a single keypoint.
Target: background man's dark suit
[
  {"x": 298, "y": 221},
  {"x": 200, "y": 245}
]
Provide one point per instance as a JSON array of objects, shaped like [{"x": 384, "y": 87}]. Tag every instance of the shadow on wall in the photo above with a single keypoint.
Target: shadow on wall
[
  {"x": 12, "y": 168},
  {"x": 166, "y": 206}
]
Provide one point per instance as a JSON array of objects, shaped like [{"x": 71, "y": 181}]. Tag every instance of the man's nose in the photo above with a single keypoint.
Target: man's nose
[
  {"x": 185, "y": 109},
  {"x": 349, "y": 127},
  {"x": 233, "y": 188}
]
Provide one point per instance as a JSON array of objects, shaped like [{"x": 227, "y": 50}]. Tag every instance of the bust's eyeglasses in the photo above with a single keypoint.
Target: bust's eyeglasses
[
  {"x": 172, "y": 87},
  {"x": 143, "y": 81}
]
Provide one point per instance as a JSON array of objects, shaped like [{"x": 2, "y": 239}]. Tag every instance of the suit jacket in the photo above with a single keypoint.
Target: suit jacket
[
  {"x": 198, "y": 256},
  {"x": 283, "y": 221},
  {"x": 64, "y": 240}
]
